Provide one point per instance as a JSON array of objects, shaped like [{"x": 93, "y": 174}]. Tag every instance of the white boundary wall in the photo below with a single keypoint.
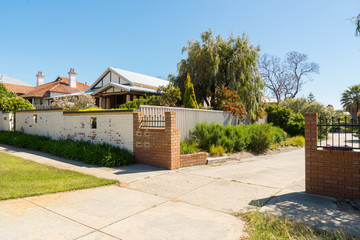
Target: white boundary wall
[
  {"x": 186, "y": 118},
  {"x": 6, "y": 121},
  {"x": 115, "y": 128}
]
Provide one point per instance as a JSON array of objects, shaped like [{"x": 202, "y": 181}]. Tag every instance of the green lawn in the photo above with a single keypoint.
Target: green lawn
[{"x": 23, "y": 178}]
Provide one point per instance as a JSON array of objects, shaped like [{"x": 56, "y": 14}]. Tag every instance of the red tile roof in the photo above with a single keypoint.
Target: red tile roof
[
  {"x": 18, "y": 89},
  {"x": 60, "y": 85}
]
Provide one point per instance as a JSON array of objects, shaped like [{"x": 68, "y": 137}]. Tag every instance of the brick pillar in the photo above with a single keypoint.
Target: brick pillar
[
  {"x": 137, "y": 135},
  {"x": 173, "y": 136},
  {"x": 157, "y": 146},
  {"x": 311, "y": 137}
]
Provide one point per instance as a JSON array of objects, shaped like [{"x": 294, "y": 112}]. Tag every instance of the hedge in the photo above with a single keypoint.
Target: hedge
[
  {"x": 90, "y": 153},
  {"x": 285, "y": 118}
]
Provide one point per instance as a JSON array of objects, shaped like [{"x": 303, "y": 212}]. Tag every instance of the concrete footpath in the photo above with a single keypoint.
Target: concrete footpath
[{"x": 152, "y": 203}]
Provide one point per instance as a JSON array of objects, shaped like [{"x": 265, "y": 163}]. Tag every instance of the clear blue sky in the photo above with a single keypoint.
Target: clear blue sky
[{"x": 147, "y": 36}]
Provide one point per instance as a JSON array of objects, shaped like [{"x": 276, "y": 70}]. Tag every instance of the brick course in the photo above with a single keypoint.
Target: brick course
[
  {"x": 333, "y": 173},
  {"x": 189, "y": 160}
]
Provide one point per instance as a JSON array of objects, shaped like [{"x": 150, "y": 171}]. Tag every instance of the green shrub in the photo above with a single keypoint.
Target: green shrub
[
  {"x": 232, "y": 138},
  {"x": 135, "y": 103},
  {"x": 279, "y": 134},
  {"x": 293, "y": 124},
  {"x": 98, "y": 154},
  {"x": 261, "y": 138},
  {"x": 298, "y": 141},
  {"x": 13, "y": 104},
  {"x": 296, "y": 125},
  {"x": 188, "y": 147},
  {"x": 217, "y": 150},
  {"x": 237, "y": 138}
]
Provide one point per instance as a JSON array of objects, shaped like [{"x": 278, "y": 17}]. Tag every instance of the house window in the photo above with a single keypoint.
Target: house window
[
  {"x": 93, "y": 123},
  {"x": 35, "y": 118}
]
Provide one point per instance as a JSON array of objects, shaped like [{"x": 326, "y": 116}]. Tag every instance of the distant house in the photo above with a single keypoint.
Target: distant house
[
  {"x": 15, "y": 85},
  {"x": 269, "y": 100},
  {"x": 116, "y": 86},
  {"x": 42, "y": 94}
]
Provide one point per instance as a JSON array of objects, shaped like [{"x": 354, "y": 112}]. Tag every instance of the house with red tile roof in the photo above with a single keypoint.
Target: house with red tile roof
[
  {"x": 15, "y": 85},
  {"x": 42, "y": 94}
]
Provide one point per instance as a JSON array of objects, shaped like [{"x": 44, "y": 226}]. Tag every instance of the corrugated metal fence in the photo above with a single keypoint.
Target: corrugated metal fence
[{"x": 186, "y": 118}]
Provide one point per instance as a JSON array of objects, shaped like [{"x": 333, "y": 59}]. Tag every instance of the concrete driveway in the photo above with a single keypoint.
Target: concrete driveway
[{"x": 152, "y": 203}]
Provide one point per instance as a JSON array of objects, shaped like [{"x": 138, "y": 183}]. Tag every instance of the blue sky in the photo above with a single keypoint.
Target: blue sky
[{"x": 147, "y": 36}]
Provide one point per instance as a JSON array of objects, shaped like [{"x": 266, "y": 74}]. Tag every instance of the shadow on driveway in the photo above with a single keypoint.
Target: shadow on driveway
[{"x": 319, "y": 211}]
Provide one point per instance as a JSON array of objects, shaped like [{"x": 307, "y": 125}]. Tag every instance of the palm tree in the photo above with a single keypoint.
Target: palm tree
[{"x": 350, "y": 100}]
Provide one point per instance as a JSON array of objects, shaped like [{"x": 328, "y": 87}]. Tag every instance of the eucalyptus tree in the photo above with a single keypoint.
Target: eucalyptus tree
[
  {"x": 350, "y": 100},
  {"x": 285, "y": 78},
  {"x": 214, "y": 62}
]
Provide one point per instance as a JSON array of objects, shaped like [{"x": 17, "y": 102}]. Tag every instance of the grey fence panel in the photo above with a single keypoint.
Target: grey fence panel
[{"x": 187, "y": 118}]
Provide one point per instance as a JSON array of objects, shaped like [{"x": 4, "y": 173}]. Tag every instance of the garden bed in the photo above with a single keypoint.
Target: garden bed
[{"x": 100, "y": 154}]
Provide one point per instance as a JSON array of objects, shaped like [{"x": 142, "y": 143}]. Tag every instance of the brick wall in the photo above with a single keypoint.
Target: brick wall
[
  {"x": 189, "y": 160},
  {"x": 333, "y": 173},
  {"x": 157, "y": 147}
]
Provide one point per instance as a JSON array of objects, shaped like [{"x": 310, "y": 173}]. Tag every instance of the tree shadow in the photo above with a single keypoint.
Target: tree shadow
[{"x": 62, "y": 162}]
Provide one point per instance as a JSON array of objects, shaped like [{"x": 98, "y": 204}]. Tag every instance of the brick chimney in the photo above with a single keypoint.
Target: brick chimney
[
  {"x": 72, "y": 78},
  {"x": 40, "y": 79}
]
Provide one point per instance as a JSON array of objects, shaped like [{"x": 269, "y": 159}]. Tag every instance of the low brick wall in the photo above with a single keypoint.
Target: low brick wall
[
  {"x": 189, "y": 160},
  {"x": 333, "y": 173}
]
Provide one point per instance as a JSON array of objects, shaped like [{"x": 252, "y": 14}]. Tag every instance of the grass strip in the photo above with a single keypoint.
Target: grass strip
[{"x": 23, "y": 178}]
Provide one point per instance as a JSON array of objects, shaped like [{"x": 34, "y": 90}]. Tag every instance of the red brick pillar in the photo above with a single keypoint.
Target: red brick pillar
[
  {"x": 173, "y": 139},
  {"x": 157, "y": 146},
  {"x": 137, "y": 136},
  {"x": 311, "y": 137}
]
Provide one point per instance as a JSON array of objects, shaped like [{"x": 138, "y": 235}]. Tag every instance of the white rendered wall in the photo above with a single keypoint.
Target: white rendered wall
[
  {"x": 113, "y": 128},
  {"x": 6, "y": 121}
]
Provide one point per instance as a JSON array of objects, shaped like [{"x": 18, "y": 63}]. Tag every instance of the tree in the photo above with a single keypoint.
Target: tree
[
  {"x": 10, "y": 102},
  {"x": 303, "y": 105},
  {"x": 4, "y": 92},
  {"x": 189, "y": 95},
  {"x": 311, "y": 97},
  {"x": 229, "y": 100},
  {"x": 350, "y": 100},
  {"x": 13, "y": 104},
  {"x": 285, "y": 78},
  {"x": 167, "y": 96},
  {"x": 215, "y": 62}
]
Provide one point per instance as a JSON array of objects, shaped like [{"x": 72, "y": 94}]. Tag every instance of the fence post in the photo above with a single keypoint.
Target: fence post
[{"x": 311, "y": 137}]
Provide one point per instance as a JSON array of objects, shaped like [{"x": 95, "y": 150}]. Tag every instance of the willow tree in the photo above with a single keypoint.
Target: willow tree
[{"x": 214, "y": 62}]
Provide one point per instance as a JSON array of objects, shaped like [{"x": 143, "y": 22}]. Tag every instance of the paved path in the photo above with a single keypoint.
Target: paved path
[{"x": 189, "y": 203}]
